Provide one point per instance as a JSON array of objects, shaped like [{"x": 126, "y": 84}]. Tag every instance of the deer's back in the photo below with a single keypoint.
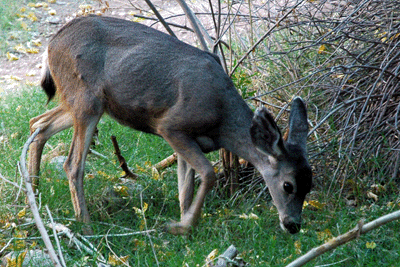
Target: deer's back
[{"x": 142, "y": 77}]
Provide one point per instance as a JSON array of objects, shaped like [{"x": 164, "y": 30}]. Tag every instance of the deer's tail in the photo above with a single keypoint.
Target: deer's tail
[{"x": 47, "y": 82}]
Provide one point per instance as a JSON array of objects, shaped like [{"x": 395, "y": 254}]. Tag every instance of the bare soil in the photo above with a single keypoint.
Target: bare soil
[{"x": 26, "y": 70}]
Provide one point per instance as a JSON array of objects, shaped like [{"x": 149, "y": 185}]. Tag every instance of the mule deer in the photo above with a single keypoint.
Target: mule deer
[{"x": 154, "y": 83}]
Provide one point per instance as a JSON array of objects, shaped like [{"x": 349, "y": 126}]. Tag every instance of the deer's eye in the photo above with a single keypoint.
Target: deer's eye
[{"x": 288, "y": 187}]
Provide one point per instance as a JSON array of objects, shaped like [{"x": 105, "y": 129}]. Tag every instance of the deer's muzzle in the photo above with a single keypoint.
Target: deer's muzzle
[{"x": 289, "y": 225}]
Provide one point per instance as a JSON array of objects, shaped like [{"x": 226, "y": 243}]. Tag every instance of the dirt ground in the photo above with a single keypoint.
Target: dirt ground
[{"x": 27, "y": 69}]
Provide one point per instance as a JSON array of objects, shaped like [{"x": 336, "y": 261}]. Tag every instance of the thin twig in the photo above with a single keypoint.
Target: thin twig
[
  {"x": 253, "y": 47},
  {"x": 56, "y": 237},
  {"x": 148, "y": 235},
  {"x": 121, "y": 159},
  {"x": 7, "y": 245},
  {"x": 32, "y": 203},
  {"x": 12, "y": 183}
]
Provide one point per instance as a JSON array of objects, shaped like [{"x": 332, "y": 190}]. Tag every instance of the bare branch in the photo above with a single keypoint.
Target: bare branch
[
  {"x": 196, "y": 25},
  {"x": 263, "y": 37},
  {"x": 32, "y": 202},
  {"x": 343, "y": 239},
  {"x": 160, "y": 18}
]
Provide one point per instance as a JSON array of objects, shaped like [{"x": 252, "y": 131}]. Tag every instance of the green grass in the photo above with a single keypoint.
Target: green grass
[
  {"x": 12, "y": 31},
  {"x": 260, "y": 242}
]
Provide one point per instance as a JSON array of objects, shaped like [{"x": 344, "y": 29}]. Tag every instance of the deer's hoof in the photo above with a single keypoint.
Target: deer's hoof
[
  {"x": 87, "y": 229},
  {"x": 178, "y": 228}
]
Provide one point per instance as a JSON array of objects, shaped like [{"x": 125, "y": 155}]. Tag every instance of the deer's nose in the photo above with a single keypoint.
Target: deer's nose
[{"x": 290, "y": 226}]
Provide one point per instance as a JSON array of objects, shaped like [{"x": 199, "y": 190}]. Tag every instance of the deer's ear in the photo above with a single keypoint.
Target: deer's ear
[
  {"x": 298, "y": 124},
  {"x": 265, "y": 134}
]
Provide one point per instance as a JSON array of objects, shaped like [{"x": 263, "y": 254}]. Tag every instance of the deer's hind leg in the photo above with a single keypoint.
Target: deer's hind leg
[
  {"x": 84, "y": 128},
  {"x": 50, "y": 123}
]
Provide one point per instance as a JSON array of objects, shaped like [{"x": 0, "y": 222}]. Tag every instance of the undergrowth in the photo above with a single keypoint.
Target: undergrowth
[
  {"x": 153, "y": 202},
  {"x": 296, "y": 59}
]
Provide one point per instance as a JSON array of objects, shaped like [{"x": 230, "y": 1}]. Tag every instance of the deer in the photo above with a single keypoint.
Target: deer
[{"x": 154, "y": 83}]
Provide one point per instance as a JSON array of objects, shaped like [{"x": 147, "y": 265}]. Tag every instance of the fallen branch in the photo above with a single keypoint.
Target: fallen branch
[
  {"x": 121, "y": 159},
  {"x": 360, "y": 229},
  {"x": 227, "y": 256},
  {"x": 74, "y": 238},
  {"x": 166, "y": 162},
  {"x": 32, "y": 203}
]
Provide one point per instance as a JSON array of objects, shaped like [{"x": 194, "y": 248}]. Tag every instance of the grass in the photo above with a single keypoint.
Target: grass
[
  {"x": 260, "y": 241},
  {"x": 113, "y": 211},
  {"x": 14, "y": 27}
]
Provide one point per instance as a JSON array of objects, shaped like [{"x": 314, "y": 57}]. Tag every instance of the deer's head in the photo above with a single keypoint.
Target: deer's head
[{"x": 287, "y": 172}]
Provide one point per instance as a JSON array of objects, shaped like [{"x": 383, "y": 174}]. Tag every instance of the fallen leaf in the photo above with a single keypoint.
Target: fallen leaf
[
  {"x": 11, "y": 56},
  {"x": 322, "y": 49},
  {"x": 324, "y": 235},
  {"x": 122, "y": 190},
  {"x": 36, "y": 42},
  {"x": 316, "y": 204},
  {"x": 20, "y": 243},
  {"x": 251, "y": 216},
  {"x": 140, "y": 169},
  {"x": 114, "y": 260},
  {"x": 32, "y": 16},
  {"x": 24, "y": 26},
  {"x": 213, "y": 254},
  {"x": 15, "y": 78},
  {"x": 142, "y": 210},
  {"x": 21, "y": 213},
  {"x": 372, "y": 195},
  {"x": 20, "y": 48},
  {"x": 16, "y": 262},
  {"x": 210, "y": 257},
  {"x": 297, "y": 246},
  {"x": 30, "y": 73},
  {"x": 155, "y": 174},
  {"x": 32, "y": 50},
  {"x": 370, "y": 245}
]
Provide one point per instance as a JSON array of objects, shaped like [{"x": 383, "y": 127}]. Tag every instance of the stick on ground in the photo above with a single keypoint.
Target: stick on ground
[
  {"x": 121, "y": 159},
  {"x": 342, "y": 239},
  {"x": 32, "y": 203}
]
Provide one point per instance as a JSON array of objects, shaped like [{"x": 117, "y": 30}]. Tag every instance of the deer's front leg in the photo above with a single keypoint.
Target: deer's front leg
[
  {"x": 189, "y": 150},
  {"x": 185, "y": 185}
]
